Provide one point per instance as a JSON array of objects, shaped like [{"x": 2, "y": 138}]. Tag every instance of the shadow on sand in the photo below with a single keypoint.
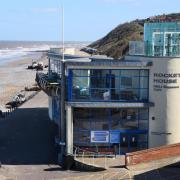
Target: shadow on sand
[{"x": 27, "y": 138}]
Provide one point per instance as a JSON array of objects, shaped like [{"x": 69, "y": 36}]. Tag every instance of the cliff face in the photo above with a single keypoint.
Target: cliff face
[{"x": 116, "y": 43}]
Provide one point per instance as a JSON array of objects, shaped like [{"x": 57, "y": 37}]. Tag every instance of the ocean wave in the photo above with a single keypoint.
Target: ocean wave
[
  {"x": 14, "y": 50},
  {"x": 20, "y": 51}
]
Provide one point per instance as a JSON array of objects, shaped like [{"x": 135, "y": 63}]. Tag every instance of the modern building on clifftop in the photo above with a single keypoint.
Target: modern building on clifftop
[{"x": 118, "y": 106}]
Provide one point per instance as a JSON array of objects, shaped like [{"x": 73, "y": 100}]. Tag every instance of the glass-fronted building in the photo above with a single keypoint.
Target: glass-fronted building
[
  {"x": 106, "y": 103},
  {"x": 118, "y": 106},
  {"x": 160, "y": 39},
  {"x": 124, "y": 125}
]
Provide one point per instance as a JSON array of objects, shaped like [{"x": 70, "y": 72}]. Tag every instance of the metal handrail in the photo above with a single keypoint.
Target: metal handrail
[{"x": 85, "y": 153}]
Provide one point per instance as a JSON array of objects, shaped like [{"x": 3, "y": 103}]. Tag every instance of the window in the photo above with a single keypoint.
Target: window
[
  {"x": 80, "y": 73},
  {"x": 100, "y": 119},
  {"x": 55, "y": 66},
  {"x": 142, "y": 141},
  {"x": 100, "y": 82},
  {"x": 124, "y": 119},
  {"x": 143, "y": 119},
  {"x": 81, "y": 119},
  {"x": 110, "y": 119},
  {"x": 126, "y": 82},
  {"x": 109, "y": 85}
]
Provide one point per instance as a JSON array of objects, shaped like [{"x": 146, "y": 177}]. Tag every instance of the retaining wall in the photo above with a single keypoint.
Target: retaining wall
[{"x": 152, "y": 154}]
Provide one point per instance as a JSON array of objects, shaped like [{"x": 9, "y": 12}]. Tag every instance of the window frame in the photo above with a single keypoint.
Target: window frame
[{"x": 108, "y": 78}]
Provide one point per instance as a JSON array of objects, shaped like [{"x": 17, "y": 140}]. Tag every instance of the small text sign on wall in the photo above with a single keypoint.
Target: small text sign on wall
[
  {"x": 99, "y": 136},
  {"x": 165, "y": 81}
]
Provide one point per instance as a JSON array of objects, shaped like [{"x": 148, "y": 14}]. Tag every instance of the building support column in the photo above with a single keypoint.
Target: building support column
[
  {"x": 69, "y": 157},
  {"x": 69, "y": 130},
  {"x": 62, "y": 120}
]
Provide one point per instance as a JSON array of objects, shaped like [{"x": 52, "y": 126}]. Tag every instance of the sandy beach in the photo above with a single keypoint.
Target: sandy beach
[{"x": 14, "y": 77}]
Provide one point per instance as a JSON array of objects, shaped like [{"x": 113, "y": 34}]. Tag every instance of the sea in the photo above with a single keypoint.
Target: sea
[{"x": 15, "y": 50}]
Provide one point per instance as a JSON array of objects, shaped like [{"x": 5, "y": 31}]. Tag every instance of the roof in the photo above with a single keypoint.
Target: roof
[
  {"x": 110, "y": 104},
  {"x": 110, "y": 63}
]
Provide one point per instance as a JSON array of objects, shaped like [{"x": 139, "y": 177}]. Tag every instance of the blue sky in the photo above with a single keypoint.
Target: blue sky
[{"x": 85, "y": 20}]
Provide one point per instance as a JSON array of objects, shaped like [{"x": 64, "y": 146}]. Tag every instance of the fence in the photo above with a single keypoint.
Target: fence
[{"x": 92, "y": 158}]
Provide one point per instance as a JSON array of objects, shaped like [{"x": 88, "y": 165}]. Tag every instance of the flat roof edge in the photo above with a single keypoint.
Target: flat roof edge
[
  {"x": 109, "y": 104},
  {"x": 112, "y": 63},
  {"x": 67, "y": 56},
  {"x": 153, "y": 57}
]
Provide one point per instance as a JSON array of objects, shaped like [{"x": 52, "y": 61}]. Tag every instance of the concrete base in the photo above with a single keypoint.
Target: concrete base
[{"x": 68, "y": 162}]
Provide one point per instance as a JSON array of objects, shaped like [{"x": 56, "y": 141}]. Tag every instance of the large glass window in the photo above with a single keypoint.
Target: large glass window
[
  {"x": 111, "y": 119},
  {"x": 82, "y": 119},
  {"x": 109, "y": 85},
  {"x": 125, "y": 120},
  {"x": 143, "y": 119},
  {"x": 100, "y": 119},
  {"x": 81, "y": 126},
  {"x": 55, "y": 66}
]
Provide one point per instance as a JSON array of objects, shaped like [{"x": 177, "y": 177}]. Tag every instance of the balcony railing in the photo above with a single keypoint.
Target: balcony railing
[
  {"x": 156, "y": 49},
  {"x": 50, "y": 85}
]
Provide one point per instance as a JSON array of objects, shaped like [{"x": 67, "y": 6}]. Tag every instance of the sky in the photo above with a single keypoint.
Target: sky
[{"x": 85, "y": 20}]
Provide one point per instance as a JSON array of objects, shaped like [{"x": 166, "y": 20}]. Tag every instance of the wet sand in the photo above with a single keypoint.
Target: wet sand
[{"x": 14, "y": 77}]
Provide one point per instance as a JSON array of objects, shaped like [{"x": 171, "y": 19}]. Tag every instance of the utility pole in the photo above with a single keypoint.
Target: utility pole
[
  {"x": 62, "y": 124},
  {"x": 62, "y": 33}
]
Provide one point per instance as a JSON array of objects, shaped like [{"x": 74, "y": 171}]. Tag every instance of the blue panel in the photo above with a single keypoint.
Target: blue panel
[
  {"x": 114, "y": 137},
  {"x": 70, "y": 74},
  {"x": 56, "y": 109}
]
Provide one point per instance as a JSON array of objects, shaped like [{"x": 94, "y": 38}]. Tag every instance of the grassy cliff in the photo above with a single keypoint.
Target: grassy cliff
[{"x": 115, "y": 44}]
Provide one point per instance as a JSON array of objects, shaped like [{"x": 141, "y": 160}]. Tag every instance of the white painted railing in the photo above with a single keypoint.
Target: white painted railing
[{"x": 92, "y": 158}]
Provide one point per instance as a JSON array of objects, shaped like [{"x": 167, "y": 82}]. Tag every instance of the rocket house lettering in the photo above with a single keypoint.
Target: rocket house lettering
[{"x": 165, "y": 80}]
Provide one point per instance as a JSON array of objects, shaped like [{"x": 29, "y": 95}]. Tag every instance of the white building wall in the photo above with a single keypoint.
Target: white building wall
[{"x": 165, "y": 128}]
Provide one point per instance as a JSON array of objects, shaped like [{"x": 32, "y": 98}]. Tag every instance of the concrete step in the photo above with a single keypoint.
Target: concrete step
[
  {"x": 101, "y": 162},
  {"x": 113, "y": 175},
  {"x": 87, "y": 166}
]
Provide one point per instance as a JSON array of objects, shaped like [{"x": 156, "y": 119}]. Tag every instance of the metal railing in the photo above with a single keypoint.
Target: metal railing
[
  {"x": 92, "y": 158},
  {"x": 155, "y": 49},
  {"x": 50, "y": 86}
]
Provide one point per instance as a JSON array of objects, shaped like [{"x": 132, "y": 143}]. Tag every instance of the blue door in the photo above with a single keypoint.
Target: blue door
[{"x": 124, "y": 143}]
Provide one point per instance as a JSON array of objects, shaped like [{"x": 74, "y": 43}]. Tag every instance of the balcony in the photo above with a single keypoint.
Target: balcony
[
  {"x": 154, "y": 49},
  {"x": 50, "y": 85}
]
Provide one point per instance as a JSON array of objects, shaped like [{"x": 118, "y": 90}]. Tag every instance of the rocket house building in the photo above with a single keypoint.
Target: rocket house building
[{"x": 118, "y": 106}]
